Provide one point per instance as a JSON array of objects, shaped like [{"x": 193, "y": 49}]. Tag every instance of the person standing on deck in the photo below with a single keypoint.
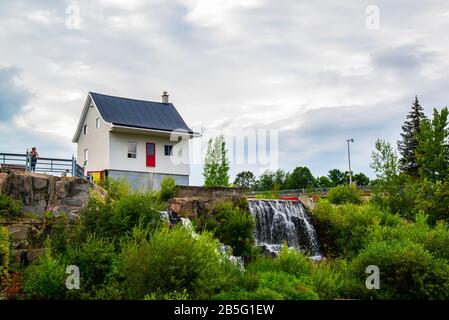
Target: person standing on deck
[{"x": 33, "y": 159}]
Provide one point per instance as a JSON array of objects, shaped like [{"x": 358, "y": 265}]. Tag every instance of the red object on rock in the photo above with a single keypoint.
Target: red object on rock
[{"x": 289, "y": 198}]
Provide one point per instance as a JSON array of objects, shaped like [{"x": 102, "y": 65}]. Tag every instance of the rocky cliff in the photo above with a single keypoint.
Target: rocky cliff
[{"x": 41, "y": 193}]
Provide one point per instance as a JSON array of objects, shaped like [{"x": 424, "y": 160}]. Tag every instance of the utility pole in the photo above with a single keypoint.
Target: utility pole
[{"x": 349, "y": 161}]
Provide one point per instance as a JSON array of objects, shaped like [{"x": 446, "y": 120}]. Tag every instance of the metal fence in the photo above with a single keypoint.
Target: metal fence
[{"x": 17, "y": 161}]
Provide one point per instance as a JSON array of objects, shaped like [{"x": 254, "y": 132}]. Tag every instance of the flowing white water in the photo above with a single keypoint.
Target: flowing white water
[{"x": 279, "y": 221}]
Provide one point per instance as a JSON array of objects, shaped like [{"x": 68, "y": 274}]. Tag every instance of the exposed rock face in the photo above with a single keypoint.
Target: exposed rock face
[
  {"x": 40, "y": 193},
  {"x": 27, "y": 237},
  {"x": 190, "y": 202}
]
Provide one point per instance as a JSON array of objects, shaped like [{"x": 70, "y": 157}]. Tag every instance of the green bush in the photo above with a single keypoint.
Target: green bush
[
  {"x": 45, "y": 280},
  {"x": 284, "y": 277},
  {"x": 9, "y": 208},
  {"x": 116, "y": 218},
  {"x": 232, "y": 226},
  {"x": 168, "y": 188},
  {"x": 342, "y": 230},
  {"x": 407, "y": 271},
  {"x": 5, "y": 244},
  {"x": 344, "y": 194},
  {"x": 172, "y": 260},
  {"x": 96, "y": 259}
]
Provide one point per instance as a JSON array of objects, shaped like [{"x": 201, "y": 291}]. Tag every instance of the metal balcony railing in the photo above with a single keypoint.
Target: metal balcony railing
[{"x": 59, "y": 166}]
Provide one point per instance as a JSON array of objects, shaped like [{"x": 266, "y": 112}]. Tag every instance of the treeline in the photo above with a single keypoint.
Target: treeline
[
  {"x": 217, "y": 165},
  {"x": 299, "y": 178}
]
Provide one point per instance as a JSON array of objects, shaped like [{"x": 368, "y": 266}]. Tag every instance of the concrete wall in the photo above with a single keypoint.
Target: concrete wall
[
  {"x": 212, "y": 193},
  {"x": 96, "y": 141},
  {"x": 146, "y": 181},
  {"x": 119, "y": 154}
]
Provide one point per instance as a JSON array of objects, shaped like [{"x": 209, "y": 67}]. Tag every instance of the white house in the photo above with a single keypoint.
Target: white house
[{"x": 143, "y": 141}]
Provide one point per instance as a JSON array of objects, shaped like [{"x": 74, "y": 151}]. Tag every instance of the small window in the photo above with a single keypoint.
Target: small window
[
  {"x": 97, "y": 123},
  {"x": 86, "y": 156},
  {"x": 168, "y": 150},
  {"x": 85, "y": 129},
  {"x": 132, "y": 149}
]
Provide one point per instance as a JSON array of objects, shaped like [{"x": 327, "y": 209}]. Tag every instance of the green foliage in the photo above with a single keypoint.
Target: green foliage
[
  {"x": 5, "y": 244},
  {"x": 300, "y": 178},
  {"x": 266, "y": 278},
  {"x": 232, "y": 226},
  {"x": 115, "y": 216},
  {"x": 216, "y": 164},
  {"x": 384, "y": 161},
  {"x": 323, "y": 182},
  {"x": 408, "y": 145},
  {"x": 95, "y": 258},
  {"x": 245, "y": 180},
  {"x": 172, "y": 260},
  {"x": 269, "y": 179},
  {"x": 432, "y": 152},
  {"x": 361, "y": 179},
  {"x": 342, "y": 230},
  {"x": 337, "y": 177},
  {"x": 116, "y": 188},
  {"x": 174, "y": 295},
  {"x": 344, "y": 194},
  {"x": 407, "y": 271},
  {"x": 168, "y": 188},
  {"x": 47, "y": 279},
  {"x": 9, "y": 208}
]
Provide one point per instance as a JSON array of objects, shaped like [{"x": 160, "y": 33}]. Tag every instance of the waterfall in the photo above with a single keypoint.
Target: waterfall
[{"x": 279, "y": 221}]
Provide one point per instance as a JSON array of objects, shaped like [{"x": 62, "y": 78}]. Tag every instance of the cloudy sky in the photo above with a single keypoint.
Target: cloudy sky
[{"x": 319, "y": 72}]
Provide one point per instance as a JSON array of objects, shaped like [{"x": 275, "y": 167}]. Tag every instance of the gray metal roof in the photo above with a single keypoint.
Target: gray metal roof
[{"x": 139, "y": 113}]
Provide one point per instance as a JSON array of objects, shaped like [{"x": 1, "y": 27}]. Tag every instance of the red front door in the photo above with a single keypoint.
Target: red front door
[{"x": 151, "y": 154}]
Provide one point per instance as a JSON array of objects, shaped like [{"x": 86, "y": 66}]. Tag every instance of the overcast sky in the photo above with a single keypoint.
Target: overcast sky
[{"x": 319, "y": 72}]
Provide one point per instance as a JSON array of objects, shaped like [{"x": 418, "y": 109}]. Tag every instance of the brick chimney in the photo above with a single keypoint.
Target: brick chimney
[{"x": 165, "y": 97}]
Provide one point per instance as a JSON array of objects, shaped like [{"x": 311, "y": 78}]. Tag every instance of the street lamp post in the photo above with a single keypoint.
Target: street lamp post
[{"x": 349, "y": 161}]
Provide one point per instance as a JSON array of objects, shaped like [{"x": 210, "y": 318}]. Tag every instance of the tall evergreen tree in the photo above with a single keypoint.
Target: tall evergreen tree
[{"x": 407, "y": 146}]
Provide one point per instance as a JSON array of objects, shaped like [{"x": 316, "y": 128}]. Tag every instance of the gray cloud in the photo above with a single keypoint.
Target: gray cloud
[
  {"x": 310, "y": 69},
  {"x": 13, "y": 96}
]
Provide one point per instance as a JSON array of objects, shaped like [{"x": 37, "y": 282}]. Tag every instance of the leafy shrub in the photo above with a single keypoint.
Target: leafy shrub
[
  {"x": 9, "y": 208},
  {"x": 172, "y": 260},
  {"x": 4, "y": 255},
  {"x": 284, "y": 277},
  {"x": 232, "y": 226},
  {"x": 95, "y": 258},
  {"x": 47, "y": 279},
  {"x": 343, "y": 230},
  {"x": 116, "y": 188},
  {"x": 433, "y": 239},
  {"x": 344, "y": 194},
  {"x": 175, "y": 295},
  {"x": 407, "y": 271},
  {"x": 288, "y": 260},
  {"x": 168, "y": 188},
  {"x": 115, "y": 218},
  {"x": 139, "y": 208}
]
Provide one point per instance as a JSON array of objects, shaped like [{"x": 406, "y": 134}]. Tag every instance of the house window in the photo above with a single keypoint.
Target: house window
[
  {"x": 132, "y": 149},
  {"x": 168, "y": 150},
  {"x": 97, "y": 123},
  {"x": 85, "y": 129},
  {"x": 86, "y": 156}
]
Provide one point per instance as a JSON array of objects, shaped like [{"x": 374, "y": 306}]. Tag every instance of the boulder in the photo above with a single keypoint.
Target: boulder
[{"x": 40, "y": 192}]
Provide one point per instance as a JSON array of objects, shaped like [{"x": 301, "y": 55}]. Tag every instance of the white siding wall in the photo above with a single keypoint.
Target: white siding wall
[
  {"x": 96, "y": 141},
  {"x": 119, "y": 154}
]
